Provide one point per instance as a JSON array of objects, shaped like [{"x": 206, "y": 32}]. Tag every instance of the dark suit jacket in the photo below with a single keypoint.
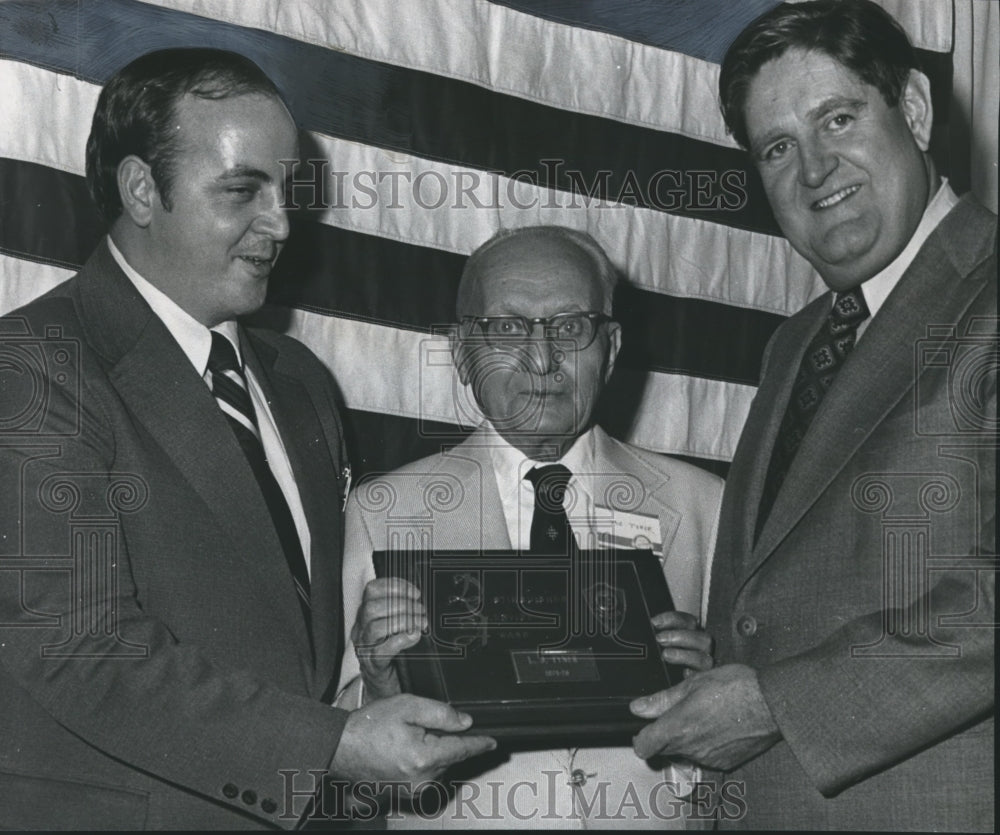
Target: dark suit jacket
[
  {"x": 156, "y": 669},
  {"x": 860, "y": 605}
]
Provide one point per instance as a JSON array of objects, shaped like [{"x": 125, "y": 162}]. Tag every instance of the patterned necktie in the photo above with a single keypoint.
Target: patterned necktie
[
  {"x": 822, "y": 360},
  {"x": 550, "y": 530},
  {"x": 230, "y": 390}
]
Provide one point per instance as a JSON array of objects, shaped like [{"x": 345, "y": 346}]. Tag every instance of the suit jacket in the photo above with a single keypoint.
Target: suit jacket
[
  {"x": 861, "y": 606},
  {"x": 156, "y": 669},
  {"x": 451, "y": 501}
]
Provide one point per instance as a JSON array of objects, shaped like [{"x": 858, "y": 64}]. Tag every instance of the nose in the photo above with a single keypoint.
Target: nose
[
  {"x": 816, "y": 163},
  {"x": 541, "y": 354},
  {"x": 273, "y": 218}
]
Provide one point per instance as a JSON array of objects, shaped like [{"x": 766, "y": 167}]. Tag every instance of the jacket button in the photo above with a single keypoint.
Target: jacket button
[
  {"x": 249, "y": 797},
  {"x": 230, "y": 791},
  {"x": 747, "y": 626},
  {"x": 268, "y": 806}
]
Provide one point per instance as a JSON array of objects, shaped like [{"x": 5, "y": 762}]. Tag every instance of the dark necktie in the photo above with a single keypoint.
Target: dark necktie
[
  {"x": 550, "y": 530},
  {"x": 822, "y": 360},
  {"x": 230, "y": 390}
]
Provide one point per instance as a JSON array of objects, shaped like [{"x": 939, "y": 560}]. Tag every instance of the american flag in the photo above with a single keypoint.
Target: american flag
[{"x": 429, "y": 125}]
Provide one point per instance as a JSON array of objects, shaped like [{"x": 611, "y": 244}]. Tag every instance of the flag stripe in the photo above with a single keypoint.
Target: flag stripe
[
  {"x": 504, "y": 49},
  {"x": 642, "y": 20},
  {"x": 654, "y": 410},
  {"x": 402, "y": 109},
  {"x": 661, "y": 252},
  {"x": 412, "y": 286}
]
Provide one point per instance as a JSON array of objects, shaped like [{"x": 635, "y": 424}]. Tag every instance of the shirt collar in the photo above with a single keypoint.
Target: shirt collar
[
  {"x": 511, "y": 465},
  {"x": 879, "y": 286},
  {"x": 193, "y": 337}
]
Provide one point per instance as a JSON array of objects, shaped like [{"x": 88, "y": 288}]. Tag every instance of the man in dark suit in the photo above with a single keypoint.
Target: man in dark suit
[
  {"x": 170, "y": 616},
  {"x": 852, "y": 593}
]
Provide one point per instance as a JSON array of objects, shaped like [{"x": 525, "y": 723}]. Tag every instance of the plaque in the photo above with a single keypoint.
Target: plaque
[{"x": 539, "y": 650}]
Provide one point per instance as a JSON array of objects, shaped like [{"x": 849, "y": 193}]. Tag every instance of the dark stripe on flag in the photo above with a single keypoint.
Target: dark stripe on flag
[
  {"x": 678, "y": 25},
  {"x": 48, "y": 216},
  {"x": 401, "y": 109}
]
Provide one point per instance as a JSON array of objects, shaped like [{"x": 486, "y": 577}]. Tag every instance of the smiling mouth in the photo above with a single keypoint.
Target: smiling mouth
[{"x": 835, "y": 198}]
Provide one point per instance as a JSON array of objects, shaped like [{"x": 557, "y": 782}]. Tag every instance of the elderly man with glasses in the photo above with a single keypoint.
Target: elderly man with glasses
[{"x": 535, "y": 345}]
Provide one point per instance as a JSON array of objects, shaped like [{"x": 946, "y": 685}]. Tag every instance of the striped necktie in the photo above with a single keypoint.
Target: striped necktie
[
  {"x": 823, "y": 359},
  {"x": 230, "y": 390}
]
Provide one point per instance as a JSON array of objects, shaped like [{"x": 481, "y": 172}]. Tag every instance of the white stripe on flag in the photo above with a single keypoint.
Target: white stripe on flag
[
  {"x": 24, "y": 280},
  {"x": 526, "y": 56},
  {"x": 662, "y": 252},
  {"x": 677, "y": 414}
]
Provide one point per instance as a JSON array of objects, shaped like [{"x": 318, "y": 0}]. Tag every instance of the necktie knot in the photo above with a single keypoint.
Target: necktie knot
[
  {"x": 550, "y": 482},
  {"x": 222, "y": 357},
  {"x": 849, "y": 310}
]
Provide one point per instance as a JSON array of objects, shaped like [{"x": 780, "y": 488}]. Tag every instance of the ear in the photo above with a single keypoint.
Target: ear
[
  {"x": 917, "y": 108},
  {"x": 614, "y": 346},
  {"x": 459, "y": 353},
  {"x": 137, "y": 190}
]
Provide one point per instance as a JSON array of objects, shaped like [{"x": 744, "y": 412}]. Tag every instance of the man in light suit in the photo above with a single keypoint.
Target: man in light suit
[
  {"x": 852, "y": 595},
  {"x": 536, "y": 345},
  {"x": 170, "y": 567}
]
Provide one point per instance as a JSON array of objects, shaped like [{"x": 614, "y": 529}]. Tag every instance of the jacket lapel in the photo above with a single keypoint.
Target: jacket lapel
[
  {"x": 626, "y": 484},
  {"x": 745, "y": 483},
  {"x": 162, "y": 390},
  {"x": 878, "y": 374},
  {"x": 316, "y": 476}
]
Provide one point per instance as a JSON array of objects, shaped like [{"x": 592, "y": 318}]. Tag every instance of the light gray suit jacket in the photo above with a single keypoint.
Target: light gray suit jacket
[
  {"x": 451, "y": 501},
  {"x": 867, "y": 603}
]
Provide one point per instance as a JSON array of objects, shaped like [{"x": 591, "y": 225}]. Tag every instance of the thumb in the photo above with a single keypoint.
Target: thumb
[
  {"x": 437, "y": 716},
  {"x": 649, "y": 707}
]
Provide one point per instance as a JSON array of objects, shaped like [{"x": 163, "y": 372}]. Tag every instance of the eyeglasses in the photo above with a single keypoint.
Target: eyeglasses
[{"x": 578, "y": 329}]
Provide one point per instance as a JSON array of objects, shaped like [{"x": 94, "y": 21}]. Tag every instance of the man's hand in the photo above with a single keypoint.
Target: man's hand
[
  {"x": 717, "y": 719},
  {"x": 683, "y": 641},
  {"x": 394, "y": 739},
  {"x": 390, "y": 619}
]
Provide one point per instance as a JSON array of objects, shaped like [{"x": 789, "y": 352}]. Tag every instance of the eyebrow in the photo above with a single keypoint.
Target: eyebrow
[
  {"x": 243, "y": 171},
  {"x": 836, "y": 103}
]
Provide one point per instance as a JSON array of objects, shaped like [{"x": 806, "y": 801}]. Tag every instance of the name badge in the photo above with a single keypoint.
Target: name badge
[{"x": 635, "y": 531}]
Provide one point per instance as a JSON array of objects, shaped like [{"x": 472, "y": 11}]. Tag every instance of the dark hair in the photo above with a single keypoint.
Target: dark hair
[
  {"x": 857, "y": 33},
  {"x": 604, "y": 270},
  {"x": 135, "y": 113}
]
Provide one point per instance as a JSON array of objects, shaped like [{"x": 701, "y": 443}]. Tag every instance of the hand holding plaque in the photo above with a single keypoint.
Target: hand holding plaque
[{"x": 538, "y": 649}]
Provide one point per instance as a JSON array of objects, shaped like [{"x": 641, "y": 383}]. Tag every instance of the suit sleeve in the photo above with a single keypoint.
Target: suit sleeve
[{"x": 122, "y": 681}]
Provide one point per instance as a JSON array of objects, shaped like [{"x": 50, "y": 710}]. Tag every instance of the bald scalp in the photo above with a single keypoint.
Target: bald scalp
[{"x": 508, "y": 245}]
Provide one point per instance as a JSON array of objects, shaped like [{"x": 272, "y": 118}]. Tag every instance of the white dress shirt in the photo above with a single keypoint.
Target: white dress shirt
[{"x": 195, "y": 341}]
